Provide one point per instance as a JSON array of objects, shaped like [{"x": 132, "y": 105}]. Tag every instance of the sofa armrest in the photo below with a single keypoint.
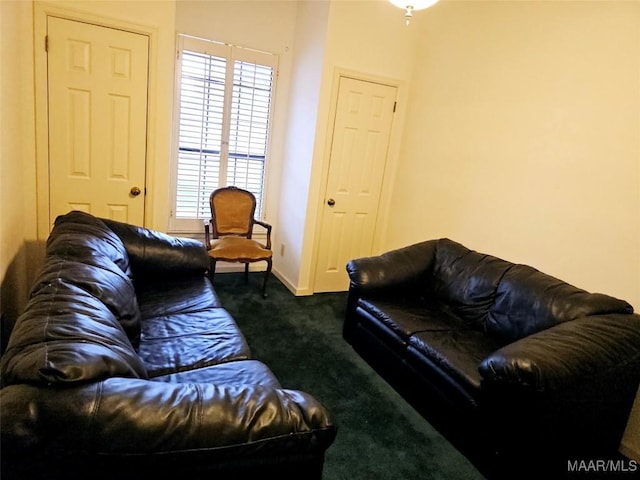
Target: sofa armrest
[
  {"x": 154, "y": 253},
  {"x": 579, "y": 351},
  {"x": 132, "y": 417},
  {"x": 394, "y": 270}
]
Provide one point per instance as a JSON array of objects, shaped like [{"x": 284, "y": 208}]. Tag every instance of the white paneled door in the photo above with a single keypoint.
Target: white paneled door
[
  {"x": 97, "y": 87},
  {"x": 360, "y": 140}
]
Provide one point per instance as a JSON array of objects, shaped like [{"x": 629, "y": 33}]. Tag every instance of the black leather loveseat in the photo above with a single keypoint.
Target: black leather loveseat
[
  {"x": 524, "y": 373},
  {"x": 125, "y": 365}
]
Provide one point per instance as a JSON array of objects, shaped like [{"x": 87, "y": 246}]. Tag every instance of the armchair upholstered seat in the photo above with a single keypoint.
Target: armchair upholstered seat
[{"x": 238, "y": 249}]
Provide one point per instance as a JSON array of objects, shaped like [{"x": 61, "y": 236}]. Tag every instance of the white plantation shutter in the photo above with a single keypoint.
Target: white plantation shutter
[
  {"x": 224, "y": 95},
  {"x": 249, "y": 127},
  {"x": 200, "y": 132}
]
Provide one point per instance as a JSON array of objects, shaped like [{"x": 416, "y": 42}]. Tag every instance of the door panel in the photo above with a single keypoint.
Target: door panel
[
  {"x": 97, "y": 82},
  {"x": 361, "y": 132}
]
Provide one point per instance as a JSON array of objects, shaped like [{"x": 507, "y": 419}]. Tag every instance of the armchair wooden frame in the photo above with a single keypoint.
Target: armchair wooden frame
[{"x": 228, "y": 234}]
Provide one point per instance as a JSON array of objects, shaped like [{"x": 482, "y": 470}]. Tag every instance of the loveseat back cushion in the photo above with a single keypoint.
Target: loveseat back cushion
[
  {"x": 466, "y": 280},
  {"x": 65, "y": 336},
  {"x": 528, "y": 301}
]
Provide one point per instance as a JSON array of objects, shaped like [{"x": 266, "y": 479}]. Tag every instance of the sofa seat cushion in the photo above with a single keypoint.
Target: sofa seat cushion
[
  {"x": 240, "y": 372},
  {"x": 407, "y": 317},
  {"x": 175, "y": 343},
  {"x": 171, "y": 297},
  {"x": 455, "y": 353}
]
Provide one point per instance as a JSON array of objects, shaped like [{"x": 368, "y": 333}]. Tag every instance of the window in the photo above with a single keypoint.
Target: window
[{"x": 224, "y": 104}]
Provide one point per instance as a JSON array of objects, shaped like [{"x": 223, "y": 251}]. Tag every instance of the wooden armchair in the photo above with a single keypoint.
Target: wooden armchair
[{"x": 228, "y": 233}]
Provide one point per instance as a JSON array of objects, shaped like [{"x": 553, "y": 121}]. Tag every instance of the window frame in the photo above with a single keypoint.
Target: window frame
[{"x": 232, "y": 54}]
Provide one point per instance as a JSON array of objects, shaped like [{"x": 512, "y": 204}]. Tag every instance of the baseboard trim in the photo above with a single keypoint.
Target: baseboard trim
[
  {"x": 226, "y": 267},
  {"x": 298, "y": 292},
  {"x": 237, "y": 267}
]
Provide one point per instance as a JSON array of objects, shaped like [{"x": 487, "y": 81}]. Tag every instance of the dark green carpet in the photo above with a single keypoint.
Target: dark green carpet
[{"x": 300, "y": 338}]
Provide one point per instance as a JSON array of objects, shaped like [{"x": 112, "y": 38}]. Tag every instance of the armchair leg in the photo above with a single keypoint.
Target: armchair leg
[
  {"x": 246, "y": 273},
  {"x": 266, "y": 276},
  {"x": 212, "y": 269}
]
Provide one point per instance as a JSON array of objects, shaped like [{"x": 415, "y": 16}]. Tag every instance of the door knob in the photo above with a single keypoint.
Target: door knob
[
  {"x": 135, "y": 191},
  {"x": 331, "y": 202}
]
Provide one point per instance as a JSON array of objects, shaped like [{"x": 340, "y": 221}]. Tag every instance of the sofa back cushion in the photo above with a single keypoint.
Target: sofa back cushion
[
  {"x": 466, "y": 280},
  {"x": 82, "y": 320},
  {"x": 101, "y": 279},
  {"x": 67, "y": 333},
  {"x": 80, "y": 236},
  {"x": 84, "y": 239},
  {"x": 155, "y": 254},
  {"x": 528, "y": 301}
]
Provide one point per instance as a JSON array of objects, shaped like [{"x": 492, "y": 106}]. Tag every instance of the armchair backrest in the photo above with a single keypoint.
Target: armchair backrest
[{"x": 232, "y": 212}]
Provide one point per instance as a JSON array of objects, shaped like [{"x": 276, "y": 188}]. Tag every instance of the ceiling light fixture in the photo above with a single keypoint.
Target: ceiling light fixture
[{"x": 411, "y": 5}]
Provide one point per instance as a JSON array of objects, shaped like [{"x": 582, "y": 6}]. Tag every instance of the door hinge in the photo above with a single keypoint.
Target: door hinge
[
  {"x": 394, "y": 106},
  {"x": 46, "y": 43}
]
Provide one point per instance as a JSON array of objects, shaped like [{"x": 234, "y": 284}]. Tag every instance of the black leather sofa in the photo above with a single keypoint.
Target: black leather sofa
[
  {"x": 523, "y": 372},
  {"x": 125, "y": 365}
]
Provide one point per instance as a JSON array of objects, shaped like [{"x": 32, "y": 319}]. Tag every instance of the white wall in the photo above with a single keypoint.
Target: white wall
[
  {"x": 523, "y": 138},
  {"x": 17, "y": 156},
  {"x": 265, "y": 25},
  {"x": 370, "y": 40},
  {"x": 302, "y": 120},
  {"x": 17, "y": 144}
]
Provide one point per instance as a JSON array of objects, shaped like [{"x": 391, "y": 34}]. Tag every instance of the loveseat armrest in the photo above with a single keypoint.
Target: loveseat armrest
[
  {"x": 565, "y": 392},
  {"x": 577, "y": 351},
  {"x": 402, "y": 269},
  {"x": 153, "y": 253}
]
